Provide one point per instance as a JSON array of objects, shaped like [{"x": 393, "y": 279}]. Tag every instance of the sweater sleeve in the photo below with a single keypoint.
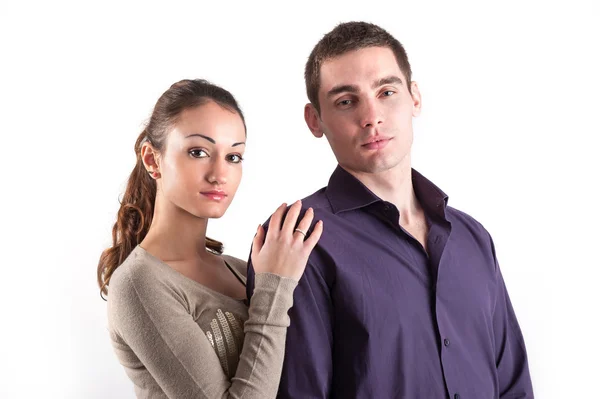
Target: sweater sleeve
[{"x": 155, "y": 324}]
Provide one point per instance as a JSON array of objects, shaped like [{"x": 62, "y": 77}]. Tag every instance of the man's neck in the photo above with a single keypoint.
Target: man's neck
[{"x": 395, "y": 186}]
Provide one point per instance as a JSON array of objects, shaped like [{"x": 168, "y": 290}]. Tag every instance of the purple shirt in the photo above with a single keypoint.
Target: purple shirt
[{"x": 375, "y": 316}]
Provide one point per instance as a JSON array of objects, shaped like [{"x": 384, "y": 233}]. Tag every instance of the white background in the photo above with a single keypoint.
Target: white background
[{"x": 509, "y": 131}]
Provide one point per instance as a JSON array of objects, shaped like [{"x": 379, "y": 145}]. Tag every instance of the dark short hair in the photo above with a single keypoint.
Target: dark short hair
[{"x": 345, "y": 37}]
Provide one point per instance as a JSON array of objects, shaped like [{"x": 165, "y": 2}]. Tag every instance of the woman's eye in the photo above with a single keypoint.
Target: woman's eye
[
  {"x": 235, "y": 158},
  {"x": 198, "y": 153}
]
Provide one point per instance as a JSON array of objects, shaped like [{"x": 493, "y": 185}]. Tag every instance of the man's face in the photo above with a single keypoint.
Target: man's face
[{"x": 366, "y": 110}]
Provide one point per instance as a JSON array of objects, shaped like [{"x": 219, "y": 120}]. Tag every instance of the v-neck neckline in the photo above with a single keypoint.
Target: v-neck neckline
[{"x": 200, "y": 285}]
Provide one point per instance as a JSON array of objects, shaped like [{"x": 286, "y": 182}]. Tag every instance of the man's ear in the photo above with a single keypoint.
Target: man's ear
[
  {"x": 313, "y": 121},
  {"x": 416, "y": 97}
]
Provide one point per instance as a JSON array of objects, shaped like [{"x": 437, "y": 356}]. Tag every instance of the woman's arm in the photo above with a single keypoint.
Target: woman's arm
[{"x": 157, "y": 327}]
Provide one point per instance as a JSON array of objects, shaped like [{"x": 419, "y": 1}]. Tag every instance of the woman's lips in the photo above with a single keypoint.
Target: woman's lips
[{"x": 215, "y": 195}]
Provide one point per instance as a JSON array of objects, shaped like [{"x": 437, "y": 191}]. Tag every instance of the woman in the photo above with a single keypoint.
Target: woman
[{"x": 176, "y": 308}]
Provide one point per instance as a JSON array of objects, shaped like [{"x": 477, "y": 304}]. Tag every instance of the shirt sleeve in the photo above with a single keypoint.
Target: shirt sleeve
[
  {"x": 307, "y": 367},
  {"x": 155, "y": 324},
  {"x": 511, "y": 356}
]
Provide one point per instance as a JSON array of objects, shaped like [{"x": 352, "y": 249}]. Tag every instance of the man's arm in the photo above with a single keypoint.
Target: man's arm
[
  {"x": 307, "y": 367},
  {"x": 511, "y": 357}
]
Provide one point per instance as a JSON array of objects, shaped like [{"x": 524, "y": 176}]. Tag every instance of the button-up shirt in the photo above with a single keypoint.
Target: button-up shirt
[{"x": 377, "y": 316}]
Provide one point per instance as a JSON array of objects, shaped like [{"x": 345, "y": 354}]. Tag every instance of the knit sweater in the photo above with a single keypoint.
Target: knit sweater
[{"x": 177, "y": 338}]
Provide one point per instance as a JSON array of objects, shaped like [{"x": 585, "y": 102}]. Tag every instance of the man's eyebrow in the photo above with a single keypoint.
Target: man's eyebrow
[
  {"x": 341, "y": 89},
  {"x": 386, "y": 81}
]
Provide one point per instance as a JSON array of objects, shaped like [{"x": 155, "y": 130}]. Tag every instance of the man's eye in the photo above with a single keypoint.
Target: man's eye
[{"x": 345, "y": 102}]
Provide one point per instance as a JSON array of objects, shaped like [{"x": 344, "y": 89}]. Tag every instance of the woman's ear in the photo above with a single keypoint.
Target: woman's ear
[{"x": 150, "y": 158}]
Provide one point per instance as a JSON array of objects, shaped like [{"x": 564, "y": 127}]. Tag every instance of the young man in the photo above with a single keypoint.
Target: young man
[{"x": 403, "y": 296}]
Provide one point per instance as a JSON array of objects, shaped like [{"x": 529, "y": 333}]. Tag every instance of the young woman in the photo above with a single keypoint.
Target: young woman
[{"x": 177, "y": 317}]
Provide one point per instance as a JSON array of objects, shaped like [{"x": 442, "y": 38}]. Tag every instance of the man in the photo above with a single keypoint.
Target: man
[{"x": 403, "y": 296}]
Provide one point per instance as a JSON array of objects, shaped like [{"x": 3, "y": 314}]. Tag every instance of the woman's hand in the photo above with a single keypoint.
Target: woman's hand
[{"x": 285, "y": 250}]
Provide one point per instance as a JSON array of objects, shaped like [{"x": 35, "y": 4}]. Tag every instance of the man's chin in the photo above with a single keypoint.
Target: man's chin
[{"x": 376, "y": 166}]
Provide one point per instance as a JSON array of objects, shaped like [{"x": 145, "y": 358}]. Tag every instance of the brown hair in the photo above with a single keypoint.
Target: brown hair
[
  {"x": 345, "y": 37},
  {"x": 137, "y": 206}
]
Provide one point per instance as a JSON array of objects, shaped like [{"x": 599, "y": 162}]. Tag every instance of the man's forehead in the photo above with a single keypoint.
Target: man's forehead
[{"x": 359, "y": 66}]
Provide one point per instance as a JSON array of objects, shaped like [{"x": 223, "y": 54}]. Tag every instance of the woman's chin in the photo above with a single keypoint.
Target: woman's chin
[{"x": 215, "y": 213}]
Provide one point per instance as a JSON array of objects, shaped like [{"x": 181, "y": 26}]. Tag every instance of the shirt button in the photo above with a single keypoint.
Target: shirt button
[
  {"x": 446, "y": 342},
  {"x": 456, "y": 396}
]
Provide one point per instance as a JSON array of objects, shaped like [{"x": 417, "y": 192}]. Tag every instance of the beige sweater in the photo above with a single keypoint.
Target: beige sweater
[{"x": 179, "y": 339}]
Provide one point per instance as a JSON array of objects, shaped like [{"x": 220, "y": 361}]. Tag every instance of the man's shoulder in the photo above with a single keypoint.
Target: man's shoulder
[
  {"x": 460, "y": 219},
  {"x": 317, "y": 200}
]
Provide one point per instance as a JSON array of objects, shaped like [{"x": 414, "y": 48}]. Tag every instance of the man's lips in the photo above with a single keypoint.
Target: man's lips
[{"x": 376, "y": 143}]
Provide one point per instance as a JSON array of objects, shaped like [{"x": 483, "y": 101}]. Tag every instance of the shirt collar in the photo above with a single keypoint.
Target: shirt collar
[{"x": 345, "y": 192}]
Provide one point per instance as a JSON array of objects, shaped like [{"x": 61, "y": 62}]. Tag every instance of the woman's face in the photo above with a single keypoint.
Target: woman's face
[{"x": 201, "y": 165}]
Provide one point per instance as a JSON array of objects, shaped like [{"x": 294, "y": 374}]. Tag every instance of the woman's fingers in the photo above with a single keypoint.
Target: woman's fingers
[
  {"x": 312, "y": 240},
  {"x": 284, "y": 249},
  {"x": 291, "y": 218},
  {"x": 275, "y": 222},
  {"x": 304, "y": 224}
]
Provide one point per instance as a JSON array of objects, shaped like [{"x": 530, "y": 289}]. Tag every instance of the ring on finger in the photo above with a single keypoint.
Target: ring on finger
[{"x": 300, "y": 231}]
